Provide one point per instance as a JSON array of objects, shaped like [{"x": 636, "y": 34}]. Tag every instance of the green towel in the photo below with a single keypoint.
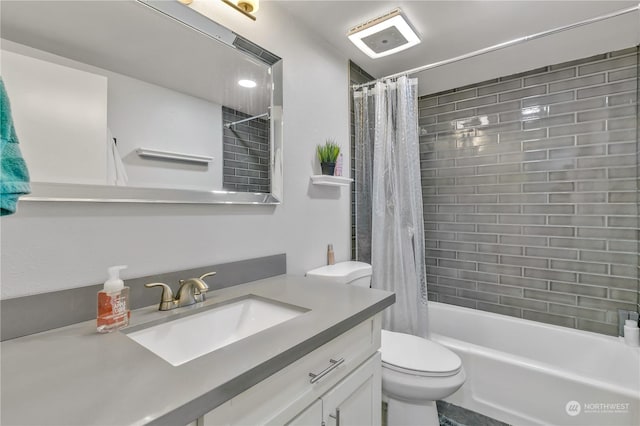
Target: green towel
[{"x": 14, "y": 176}]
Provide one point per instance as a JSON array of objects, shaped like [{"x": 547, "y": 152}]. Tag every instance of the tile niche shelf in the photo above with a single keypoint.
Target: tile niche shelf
[{"x": 328, "y": 180}]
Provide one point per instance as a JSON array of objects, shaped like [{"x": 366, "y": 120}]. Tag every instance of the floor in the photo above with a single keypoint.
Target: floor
[{"x": 452, "y": 415}]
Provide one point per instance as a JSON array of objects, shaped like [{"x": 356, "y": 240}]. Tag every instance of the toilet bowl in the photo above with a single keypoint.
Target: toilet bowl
[{"x": 415, "y": 371}]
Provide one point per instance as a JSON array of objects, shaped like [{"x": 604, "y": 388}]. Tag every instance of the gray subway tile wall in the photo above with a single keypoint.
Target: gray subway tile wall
[
  {"x": 531, "y": 192},
  {"x": 356, "y": 76},
  {"x": 246, "y": 153}
]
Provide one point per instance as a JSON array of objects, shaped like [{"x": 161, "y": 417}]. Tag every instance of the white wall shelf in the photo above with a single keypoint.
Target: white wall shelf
[
  {"x": 170, "y": 155},
  {"x": 328, "y": 180}
]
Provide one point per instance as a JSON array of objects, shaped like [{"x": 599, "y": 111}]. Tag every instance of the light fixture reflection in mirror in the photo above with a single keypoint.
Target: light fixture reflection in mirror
[{"x": 249, "y": 84}]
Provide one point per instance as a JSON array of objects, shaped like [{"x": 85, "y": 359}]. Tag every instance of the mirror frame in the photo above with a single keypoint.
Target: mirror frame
[{"x": 44, "y": 191}]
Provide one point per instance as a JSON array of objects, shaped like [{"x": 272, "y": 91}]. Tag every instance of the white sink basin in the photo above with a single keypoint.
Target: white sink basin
[{"x": 186, "y": 338}]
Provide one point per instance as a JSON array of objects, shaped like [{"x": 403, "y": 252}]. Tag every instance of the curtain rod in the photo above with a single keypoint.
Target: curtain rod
[
  {"x": 503, "y": 45},
  {"x": 228, "y": 125}
]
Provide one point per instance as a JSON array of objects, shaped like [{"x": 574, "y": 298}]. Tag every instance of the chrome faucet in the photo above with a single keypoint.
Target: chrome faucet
[{"x": 191, "y": 291}]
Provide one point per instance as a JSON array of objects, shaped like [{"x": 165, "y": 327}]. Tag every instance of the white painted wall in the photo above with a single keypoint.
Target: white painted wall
[
  {"x": 50, "y": 246},
  {"x": 60, "y": 115},
  {"x": 593, "y": 39},
  {"x": 143, "y": 115},
  {"x": 94, "y": 98}
]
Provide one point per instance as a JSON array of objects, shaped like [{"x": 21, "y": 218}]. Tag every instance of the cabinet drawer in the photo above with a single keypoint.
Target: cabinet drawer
[{"x": 280, "y": 397}]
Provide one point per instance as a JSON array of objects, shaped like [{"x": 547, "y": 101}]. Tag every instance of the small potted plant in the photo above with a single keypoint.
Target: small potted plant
[{"x": 328, "y": 154}]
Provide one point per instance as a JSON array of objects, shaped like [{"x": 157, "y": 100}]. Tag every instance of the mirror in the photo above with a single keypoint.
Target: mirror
[{"x": 140, "y": 101}]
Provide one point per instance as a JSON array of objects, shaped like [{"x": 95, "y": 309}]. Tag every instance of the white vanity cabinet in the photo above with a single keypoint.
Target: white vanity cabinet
[
  {"x": 345, "y": 388},
  {"x": 355, "y": 401}
]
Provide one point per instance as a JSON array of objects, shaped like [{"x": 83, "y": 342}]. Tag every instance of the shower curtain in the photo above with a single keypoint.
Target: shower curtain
[{"x": 389, "y": 220}]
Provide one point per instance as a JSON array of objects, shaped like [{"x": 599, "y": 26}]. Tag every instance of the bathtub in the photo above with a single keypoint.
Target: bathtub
[{"x": 528, "y": 373}]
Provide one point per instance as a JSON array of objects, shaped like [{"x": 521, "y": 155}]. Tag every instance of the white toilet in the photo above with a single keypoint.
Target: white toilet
[{"x": 415, "y": 371}]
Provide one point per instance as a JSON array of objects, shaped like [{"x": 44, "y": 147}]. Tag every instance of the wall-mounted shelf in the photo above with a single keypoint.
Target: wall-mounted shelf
[
  {"x": 328, "y": 180},
  {"x": 170, "y": 155}
]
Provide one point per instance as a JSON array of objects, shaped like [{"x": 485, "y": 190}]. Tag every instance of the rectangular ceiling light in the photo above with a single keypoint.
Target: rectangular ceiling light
[{"x": 384, "y": 35}]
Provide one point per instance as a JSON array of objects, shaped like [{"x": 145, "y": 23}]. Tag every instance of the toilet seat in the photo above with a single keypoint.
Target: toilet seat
[{"x": 417, "y": 356}]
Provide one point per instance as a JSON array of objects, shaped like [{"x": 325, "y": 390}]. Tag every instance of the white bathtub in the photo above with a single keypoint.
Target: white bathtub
[{"x": 528, "y": 373}]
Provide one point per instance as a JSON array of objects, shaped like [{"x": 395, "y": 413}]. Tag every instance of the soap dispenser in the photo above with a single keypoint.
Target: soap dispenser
[{"x": 113, "y": 303}]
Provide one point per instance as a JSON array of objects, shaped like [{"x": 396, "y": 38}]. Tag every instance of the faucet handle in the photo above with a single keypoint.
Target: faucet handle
[
  {"x": 208, "y": 274},
  {"x": 199, "y": 291},
  {"x": 166, "y": 301},
  {"x": 202, "y": 277}
]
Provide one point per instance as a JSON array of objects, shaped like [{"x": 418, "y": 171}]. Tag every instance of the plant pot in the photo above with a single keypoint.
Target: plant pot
[{"x": 328, "y": 168}]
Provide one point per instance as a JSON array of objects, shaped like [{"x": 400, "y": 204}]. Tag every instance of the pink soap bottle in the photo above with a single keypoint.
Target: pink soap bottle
[{"x": 113, "y": 303}]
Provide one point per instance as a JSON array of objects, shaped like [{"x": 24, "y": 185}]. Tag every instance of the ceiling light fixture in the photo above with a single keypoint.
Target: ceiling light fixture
[
  {"x": 246, "y": 7},
  {"x": 247, "y": 83},
  {"x": 384, "y": 35}
]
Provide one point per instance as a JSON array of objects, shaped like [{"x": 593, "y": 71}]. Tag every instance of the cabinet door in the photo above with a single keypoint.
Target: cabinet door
[
  {"x": 311, "y": 416},
  {"x": 356, "y": 400},
  {"x": 220, "y": 416}
]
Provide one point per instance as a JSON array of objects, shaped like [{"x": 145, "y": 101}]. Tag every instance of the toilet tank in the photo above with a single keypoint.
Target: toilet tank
[{"x": 353, "y": 273}]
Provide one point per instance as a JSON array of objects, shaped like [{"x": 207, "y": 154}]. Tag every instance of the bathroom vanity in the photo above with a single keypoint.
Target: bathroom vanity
[
  {"x": 347, "y": 389},
  {"x": 319, "y": 366}
]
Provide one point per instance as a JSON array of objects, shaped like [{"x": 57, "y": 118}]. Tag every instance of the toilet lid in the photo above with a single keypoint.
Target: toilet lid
[{"x": 417, "y": 355}]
